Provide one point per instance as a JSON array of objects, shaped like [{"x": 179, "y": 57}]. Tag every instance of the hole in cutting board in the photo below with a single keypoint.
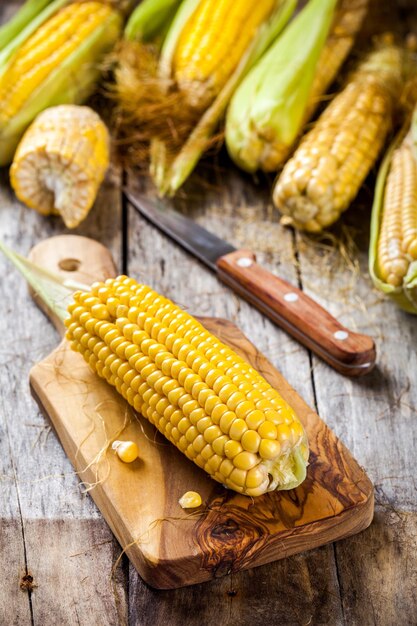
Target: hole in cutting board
[{"x": 69, "y": 265}]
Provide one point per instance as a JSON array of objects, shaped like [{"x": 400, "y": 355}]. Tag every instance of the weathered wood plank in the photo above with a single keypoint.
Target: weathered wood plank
[
  {"x": 378, "y": 571},
  {"x": 39, "y": 482},
  {"x": 374, "y": 417},
  {"x": 71, "y": 562},
  {"x": 298, "y": 590}
]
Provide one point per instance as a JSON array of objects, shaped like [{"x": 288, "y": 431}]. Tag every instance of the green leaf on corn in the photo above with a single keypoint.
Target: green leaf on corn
[
  {"x": 170, "y": 177},
  {"x": 150, "y": 19},
  {"x": 267, "y": 110}
]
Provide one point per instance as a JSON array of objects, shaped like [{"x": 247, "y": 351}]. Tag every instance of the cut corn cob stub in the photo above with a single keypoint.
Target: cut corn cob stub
[
  {"x": 323, "y": 177},
  {"x": 61, "y": 161},
  {"x": 203, "y": 397},
  {"x": 57, "y": 64},
  {"x": 127, "y": 451},
  {"x": 393, "y": 244}
]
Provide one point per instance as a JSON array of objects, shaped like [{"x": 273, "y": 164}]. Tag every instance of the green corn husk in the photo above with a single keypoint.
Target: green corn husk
[
  {"x": 169, "y": 175},
  {"x": 268, "y": 108},
  {"x": 70, "y": 83},
  {"x": 405, "y": 296},
  {"x": 150, "y": 19},
  {"x": 54, "y": 291}
]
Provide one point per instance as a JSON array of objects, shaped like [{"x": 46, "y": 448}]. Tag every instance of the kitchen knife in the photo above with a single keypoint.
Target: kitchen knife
[{"x": 350, "y": 353}]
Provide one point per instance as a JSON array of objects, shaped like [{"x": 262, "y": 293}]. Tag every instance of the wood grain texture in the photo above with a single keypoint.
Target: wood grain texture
[
  {"x": 352, "y": 354},
  {"x": 140, "y": 501}
]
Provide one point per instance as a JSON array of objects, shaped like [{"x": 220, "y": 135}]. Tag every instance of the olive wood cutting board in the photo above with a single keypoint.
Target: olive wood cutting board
[{"x": 168, "y": 546}]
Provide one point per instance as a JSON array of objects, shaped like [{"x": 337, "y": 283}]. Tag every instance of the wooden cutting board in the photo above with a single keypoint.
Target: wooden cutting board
[{"x": 168, "y": 546}]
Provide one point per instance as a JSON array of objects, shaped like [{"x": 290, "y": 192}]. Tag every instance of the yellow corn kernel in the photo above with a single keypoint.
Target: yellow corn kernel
[
  {"x": 59, "y": 166},
  {"x": 127, "y": 451},
  {"x": 190, "y": 500}
]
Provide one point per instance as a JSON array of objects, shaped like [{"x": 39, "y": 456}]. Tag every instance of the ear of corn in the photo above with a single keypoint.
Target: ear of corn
[
  {"x": 26, "y": 13},
  {"x": 15, "y": 35},
  {"x": 264, "y": 27},
  {"x": 61, "y": 161},
  {"x": 150, "y": 19},
  {"x": 57, "y": 64},
  {"x": 199, "y": 394},
  {"x": 267, "y": 109},
  {"x": 212, "y": 43},
  {"x": 393, "y": 243},
  {"x": 323, "y": 177}
]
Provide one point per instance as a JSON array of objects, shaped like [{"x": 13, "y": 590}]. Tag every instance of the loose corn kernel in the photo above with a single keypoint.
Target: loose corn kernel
[
  {"x": 127, "y": 451},
  {"x": 190, "y": 500}
]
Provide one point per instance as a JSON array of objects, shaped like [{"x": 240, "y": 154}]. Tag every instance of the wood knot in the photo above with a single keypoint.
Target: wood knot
[
  {"x": 26, "y": 583},
  {"x": 225, "y": 529}
]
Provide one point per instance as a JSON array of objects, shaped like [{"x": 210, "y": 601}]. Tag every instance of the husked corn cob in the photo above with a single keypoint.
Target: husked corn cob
[
  {"x": 56, "y": 64},
  {"x": 397, "y": 243},
  {"x": 61, "y": 161},
  {"x": 205, "y": 399},
  {"x": 322, "y": 178},
  {"x": 212, "y": 43}
]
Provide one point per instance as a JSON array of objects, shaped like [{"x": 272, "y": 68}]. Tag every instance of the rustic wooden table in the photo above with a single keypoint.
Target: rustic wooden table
[{"x": 56, "y": 551}]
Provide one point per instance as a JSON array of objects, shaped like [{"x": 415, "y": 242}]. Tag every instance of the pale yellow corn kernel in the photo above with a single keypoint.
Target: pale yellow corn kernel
[
  {"x": 237, "y": 429},
  {"x": 232, "y": 448},
  {"x": 245, "y": 460},
  {"x": 255, "y": 419},
  {"x": 254, "y": 478},
  {"x": 269, "y": 449},
  {"x": 127, "y": 451},
  {"x": 267, "y": 430},
  {"x": 250, "y": 441},
  {"x": 190, "y": 500}
]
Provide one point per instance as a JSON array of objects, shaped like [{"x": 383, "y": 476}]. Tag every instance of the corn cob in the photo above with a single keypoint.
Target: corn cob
[
  {"x": 205, "y": 399},
  {"x": 397, "y": 245},
  {"x": 57, "y": 64},
  {"x": 267, "y": 110},
  {"x": 322, "y": 178},
  {"x": 212, "y": 43},
  {"x": 61, "y": 161},
  {"x": 393, "y": 243}
]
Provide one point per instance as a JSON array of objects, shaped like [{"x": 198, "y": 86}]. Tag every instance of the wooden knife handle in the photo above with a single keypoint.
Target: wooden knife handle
[{"x": 349, "y": 353}]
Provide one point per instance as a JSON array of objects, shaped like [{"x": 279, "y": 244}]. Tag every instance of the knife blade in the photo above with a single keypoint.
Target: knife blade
[{"x": 350, "y": 353}]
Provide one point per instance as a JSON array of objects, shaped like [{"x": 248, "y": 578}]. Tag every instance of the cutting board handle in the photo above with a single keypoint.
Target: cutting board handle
[{"x": 77, "y": 258}]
